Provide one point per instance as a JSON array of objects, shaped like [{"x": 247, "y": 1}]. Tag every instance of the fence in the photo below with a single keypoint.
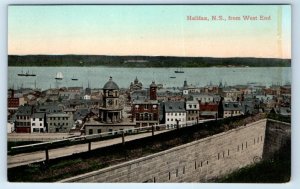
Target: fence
[{"x": 46, "y": 146}]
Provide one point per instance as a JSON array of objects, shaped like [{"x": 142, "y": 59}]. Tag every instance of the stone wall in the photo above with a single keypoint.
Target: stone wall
[
  {"x": 198, "y": 161},
  {"x": 277, "y": 134}
]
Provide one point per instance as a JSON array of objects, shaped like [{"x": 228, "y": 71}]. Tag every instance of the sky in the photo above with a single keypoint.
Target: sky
[{"x": 155, "y": 30}]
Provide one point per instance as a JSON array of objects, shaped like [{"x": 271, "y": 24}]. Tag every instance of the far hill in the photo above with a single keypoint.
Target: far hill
[{"x": 142, "y": 61}]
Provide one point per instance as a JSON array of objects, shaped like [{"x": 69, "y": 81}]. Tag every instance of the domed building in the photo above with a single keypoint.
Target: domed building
[
  {"x": 111, "y": 112},
  {"x": 136, "y": 85},
  {"x": 111, "y": 115}
]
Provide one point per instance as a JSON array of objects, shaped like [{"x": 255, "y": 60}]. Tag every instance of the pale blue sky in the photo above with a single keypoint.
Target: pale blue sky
[{"x": 148, "y": 30}]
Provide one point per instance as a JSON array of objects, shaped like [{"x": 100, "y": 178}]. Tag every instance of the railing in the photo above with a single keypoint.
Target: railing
[{"x": 96, "y": 137}]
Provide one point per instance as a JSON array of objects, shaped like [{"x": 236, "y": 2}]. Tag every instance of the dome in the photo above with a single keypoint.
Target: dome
[
  {"x": 110, "y": 85},
  {"x": 153, "y": 84}
]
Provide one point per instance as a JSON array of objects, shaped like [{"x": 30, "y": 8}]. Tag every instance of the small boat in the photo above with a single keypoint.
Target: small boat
[
  {"x": 179, "y": 71},
  {"x": 21, "y": 74},
  {"x": 59, "y": 76},
  {"x": 74, "y": 79},
  {"x": 172, "y": 77},
  {"x": 26, "y": 74},
  {"x": 29, "y": 74}
]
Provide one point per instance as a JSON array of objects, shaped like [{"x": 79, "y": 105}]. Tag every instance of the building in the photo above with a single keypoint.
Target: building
[
  {"x": 175, "y": 112},
  {"x": 204, "y": 98},
  {"x": 136, "y": 85},
  {"x": 208, "y": 110},
  {"x": 112, "y": 116},
  {"x": 14, "y": 102},
  {"x": 230, "y": 109},
  {"x": 231, "y": 94},
  {"x": 23, "y": 115},
  {"x": 38, "y": 123},
  {"x": 59, "y": 122},
  {"x": 192, "y": 110},
  {"x": 146, "y": 112}
]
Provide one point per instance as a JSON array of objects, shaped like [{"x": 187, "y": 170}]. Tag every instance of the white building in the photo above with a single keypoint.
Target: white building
[
  {"x": 87, "y": 97},
  {"x": 175, "y": 111},
  {"x": 37, "y": 122},
  {"x": 192, "y": 110},
  {"x": 10, "y": 126},
  {"x": 203, "y": 98},
  {"x": 231, "y": 109}
]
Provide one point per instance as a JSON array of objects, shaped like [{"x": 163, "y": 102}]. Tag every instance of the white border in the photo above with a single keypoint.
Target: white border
[{"x": 295, "y": 95}]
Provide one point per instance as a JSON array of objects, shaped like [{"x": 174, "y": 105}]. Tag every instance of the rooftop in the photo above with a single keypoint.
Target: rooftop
[
  {"x": 174, "y": 106},
  {"x": 110, "y": 85}
]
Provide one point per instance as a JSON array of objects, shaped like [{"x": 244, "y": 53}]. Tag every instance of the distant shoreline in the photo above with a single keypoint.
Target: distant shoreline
[{"x": 141, "y": 61}]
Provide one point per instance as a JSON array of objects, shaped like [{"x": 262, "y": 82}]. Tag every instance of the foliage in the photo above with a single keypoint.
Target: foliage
[{"x": 148, "y": 61}]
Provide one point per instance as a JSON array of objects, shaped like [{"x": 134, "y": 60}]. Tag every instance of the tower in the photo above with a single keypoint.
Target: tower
[
  {"x": 153, "y": 91},
  {"x": 111, "y": 111}
]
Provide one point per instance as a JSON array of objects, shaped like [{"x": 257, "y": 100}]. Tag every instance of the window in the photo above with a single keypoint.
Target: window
[
  {"x": 41, "y": 124},
  {"x": 175, "y": 114},
  {"x": 90, "y": 131},
  {"x": 99, "y": 130},
  {"x": 33, "y": 119},
  {"x": 195, "y": 106},
  {"x": 40, "y": 119},
  {"x": 33, "y": 124},
  {"x": 58, "y": 118}
]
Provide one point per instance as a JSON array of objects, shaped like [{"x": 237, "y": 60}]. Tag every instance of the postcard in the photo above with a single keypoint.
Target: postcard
[{"x": 149, "y": 93}]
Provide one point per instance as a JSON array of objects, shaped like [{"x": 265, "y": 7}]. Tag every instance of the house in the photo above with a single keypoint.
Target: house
[
  {"x": 175, "y": 112},
  {"x": 13, "y": 103},
  {"x": 208, "y": 110},
  {"x": 204, "y": 98},
  {"x": 38, "y": 123},
  {"x": 23, "y": 115},
  {"x": 232, "y": 94},
  {"x": 230, "y": 109},
  {"x": 145, "y": 112},
  {"x": 59, "y": 122},
  {"x": 192, "y": 110},
  {"x": 10, "y": 126}
]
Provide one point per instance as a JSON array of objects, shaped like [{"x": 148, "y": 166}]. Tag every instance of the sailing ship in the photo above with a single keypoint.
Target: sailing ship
[
  {"x": 21, "y": 74},
  {"x": 26, "y": 74},
  {"x": 29, "y": 74},
  {"x": 59, "y": 76},
  {"x": 179, "y": 71},
  {"x": 74, "y": 79}
]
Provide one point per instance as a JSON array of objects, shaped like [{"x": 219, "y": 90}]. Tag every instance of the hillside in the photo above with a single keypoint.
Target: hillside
[{"x": 142, "y": 61}]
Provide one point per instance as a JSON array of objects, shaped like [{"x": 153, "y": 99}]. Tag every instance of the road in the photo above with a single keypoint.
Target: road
[
  {"x": 17, "y": 137},
  {"x": 32, "y": 157}
]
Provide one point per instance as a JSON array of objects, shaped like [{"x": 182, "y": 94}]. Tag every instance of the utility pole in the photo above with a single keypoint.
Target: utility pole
[{"x": 177, "y": 123}]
